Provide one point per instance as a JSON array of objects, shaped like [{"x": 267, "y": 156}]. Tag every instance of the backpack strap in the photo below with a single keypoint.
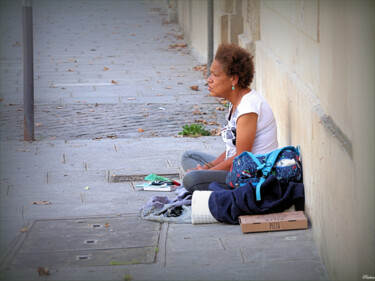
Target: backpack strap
[{"x": 265, "y": 168}]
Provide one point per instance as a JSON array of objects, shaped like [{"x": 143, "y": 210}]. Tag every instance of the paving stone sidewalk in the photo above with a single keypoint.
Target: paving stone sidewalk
[{"x": 104, "y": 69}]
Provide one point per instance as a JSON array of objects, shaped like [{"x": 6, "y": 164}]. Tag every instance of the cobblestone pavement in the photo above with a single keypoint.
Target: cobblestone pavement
[
  {"x": 100, "y": 121},
  {"x": 102, "y": 71}
]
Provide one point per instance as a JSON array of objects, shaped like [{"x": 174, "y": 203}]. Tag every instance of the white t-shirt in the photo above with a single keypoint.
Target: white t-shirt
[{"x": 266, "y": 133}]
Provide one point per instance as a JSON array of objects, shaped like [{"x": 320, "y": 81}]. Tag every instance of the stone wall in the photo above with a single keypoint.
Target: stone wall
[{"x": 315, "y": 65}]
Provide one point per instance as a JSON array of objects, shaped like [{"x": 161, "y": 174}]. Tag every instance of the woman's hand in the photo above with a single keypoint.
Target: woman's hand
[{"x": 199, "y": 167}]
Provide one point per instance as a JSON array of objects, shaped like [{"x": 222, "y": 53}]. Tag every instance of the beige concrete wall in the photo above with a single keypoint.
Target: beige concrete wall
[
  {"x": 199, "y": 28},
  {"x": 251, "y": 25},
  {"x": 315, "y": 65},
  {"x": 192, "y": 17},
  {"x": 184, "y": 17}
]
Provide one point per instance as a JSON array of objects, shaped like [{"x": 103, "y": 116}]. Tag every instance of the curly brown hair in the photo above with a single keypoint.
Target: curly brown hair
[{"x": 236, "y": 61}]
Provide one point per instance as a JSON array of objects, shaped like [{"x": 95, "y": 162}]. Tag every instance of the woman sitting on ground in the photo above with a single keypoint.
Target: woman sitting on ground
[{"x": 251, "y": 125}]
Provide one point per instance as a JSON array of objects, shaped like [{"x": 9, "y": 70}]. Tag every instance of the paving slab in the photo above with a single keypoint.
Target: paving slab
[{"x": 88, "y": 242}]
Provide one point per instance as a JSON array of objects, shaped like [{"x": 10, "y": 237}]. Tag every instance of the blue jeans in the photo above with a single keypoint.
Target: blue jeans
[{"x": 200, "y": 179}]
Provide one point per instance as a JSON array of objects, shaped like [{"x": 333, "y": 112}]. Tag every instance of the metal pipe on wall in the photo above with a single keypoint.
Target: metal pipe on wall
[
  {"x": 28, "y": 70},
  {"x": 210, "y": 34}
]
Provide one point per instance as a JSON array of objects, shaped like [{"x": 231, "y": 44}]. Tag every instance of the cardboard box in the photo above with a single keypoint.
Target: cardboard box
[{"x": 273, "y": 222}]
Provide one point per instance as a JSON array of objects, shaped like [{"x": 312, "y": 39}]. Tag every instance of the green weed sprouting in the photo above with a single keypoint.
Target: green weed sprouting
[{"x": 194, "y": 130}]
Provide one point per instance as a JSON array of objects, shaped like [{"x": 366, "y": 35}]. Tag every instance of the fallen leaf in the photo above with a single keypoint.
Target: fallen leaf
[
  {"x": 178, "y": 46},
  {"x": 1, "y": 99},
  {"x": 220, "y": 108},
  {"x": 23, "y": 150},
  {"x": 201, "y": 121},
  {"x": 114, "y": 82},
  {"x": 177, "y": 36},
  {"x": 112, "y": 136},
  {"x": 38, "y": 125},
  {"x": 216, "y": 132},
  {"x": 106, "y": 224},
  {"x": 24, "y": 229},
  {"x": 168, "y": 87},
  {"x": 140, "y": 130},
  {"x": 42, "y": 271},
  {"x": 70, "y": 70},
  {"x": 202, "y": 68},
  {"x": 105, "y": 68},
  {"x": 43, "y": 202},
  {"x": 198, "y": 112},
  {"x": 194, "y": 88},
  {"x": 213, "y": 123},
  {"x": 223, "y": 102}
]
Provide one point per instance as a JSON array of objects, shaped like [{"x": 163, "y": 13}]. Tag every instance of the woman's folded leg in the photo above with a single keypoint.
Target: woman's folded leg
[{"x": 201, "y": 179}]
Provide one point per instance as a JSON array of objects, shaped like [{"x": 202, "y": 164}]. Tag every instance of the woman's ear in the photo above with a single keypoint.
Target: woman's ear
[{"x": 234, "y": 79}]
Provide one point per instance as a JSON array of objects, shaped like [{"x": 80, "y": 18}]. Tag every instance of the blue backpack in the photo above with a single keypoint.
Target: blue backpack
[{"x": 283, "y": 163}]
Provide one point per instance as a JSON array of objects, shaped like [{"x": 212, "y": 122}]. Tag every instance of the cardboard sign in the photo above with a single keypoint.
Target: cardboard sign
[{"x": 273, "y": 222}]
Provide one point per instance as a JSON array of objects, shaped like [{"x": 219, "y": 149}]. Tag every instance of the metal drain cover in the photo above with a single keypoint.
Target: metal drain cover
[{"x": 88, "y": 242}]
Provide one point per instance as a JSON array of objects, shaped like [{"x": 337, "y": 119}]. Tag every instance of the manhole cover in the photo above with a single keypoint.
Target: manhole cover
[
  {"x": 88, "y": 242},
  {"x": 113, "y": 178}
]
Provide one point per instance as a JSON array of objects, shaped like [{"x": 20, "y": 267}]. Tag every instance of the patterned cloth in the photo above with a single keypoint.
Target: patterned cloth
[{"x": 162, "y": 209}]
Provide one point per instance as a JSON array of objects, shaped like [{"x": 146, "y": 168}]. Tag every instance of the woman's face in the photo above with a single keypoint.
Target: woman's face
[{"x": 219, "y": 84}]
